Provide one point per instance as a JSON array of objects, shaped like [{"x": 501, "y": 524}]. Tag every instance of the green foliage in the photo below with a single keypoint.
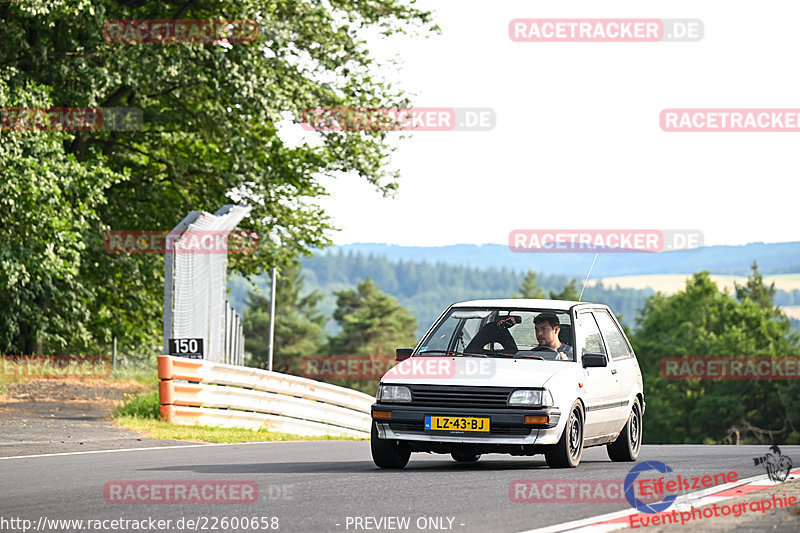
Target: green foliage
[
  {"x": 143, "y": 406},
  {"x": 47, "y": 203},
  {"x": 372, "y": 323},
  {"x": 298, "y": 323},
  {"x": 569, "y": 292},
  {"x": 210, "y": 137},
  {"x": 755, "y": 289},
  {"x": 530, "y": 287},
  {"x": 702, "y": 321}
]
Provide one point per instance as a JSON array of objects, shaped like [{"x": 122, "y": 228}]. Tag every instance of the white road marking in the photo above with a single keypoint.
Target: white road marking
[{"x": 141, "y": 449}]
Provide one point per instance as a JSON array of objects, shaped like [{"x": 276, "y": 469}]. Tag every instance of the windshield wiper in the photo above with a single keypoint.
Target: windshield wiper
[
  {"x": 447, "y": 352},
  {"x": 498, "y": 354}
]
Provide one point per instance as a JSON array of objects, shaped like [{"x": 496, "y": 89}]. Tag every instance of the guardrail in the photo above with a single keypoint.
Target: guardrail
[{"x": 198, "y": 392}]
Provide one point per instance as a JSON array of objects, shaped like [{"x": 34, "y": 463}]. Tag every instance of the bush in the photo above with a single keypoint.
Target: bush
[{"x": 144, "y": 406}]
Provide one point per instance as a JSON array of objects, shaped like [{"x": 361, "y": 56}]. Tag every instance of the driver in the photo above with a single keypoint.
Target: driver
[{"x": 547, "y": 330}]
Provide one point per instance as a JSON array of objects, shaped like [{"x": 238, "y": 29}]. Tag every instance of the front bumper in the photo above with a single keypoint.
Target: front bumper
[{"x": 507, "y": 426}]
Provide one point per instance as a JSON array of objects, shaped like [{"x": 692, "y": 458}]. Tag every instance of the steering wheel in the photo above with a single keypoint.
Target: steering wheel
[{"x": 543, "y": 348}]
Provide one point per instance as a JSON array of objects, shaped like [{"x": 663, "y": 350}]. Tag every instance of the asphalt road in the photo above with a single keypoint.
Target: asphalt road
[{"x": 326, "y": 486}]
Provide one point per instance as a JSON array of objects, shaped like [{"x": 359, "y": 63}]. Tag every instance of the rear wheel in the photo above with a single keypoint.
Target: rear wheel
[
  {"x": 463, "y": 457},
  {"x": 388, "y": 453},
  {"x": 627, "y": 445},
  {"x": 567, "y": 453}
]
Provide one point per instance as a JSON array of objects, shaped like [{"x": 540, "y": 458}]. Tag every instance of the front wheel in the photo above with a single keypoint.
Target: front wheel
[
  {"x": 567, "y": 453},
  {"x": 627, "y": 445},
  {"x": 388, "y": 453}
]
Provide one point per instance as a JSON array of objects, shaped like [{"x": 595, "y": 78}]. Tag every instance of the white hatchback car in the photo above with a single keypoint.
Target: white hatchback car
[{"x": 521, "y": 377}]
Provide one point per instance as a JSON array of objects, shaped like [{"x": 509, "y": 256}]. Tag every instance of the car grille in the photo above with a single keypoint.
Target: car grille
[
  {"x": 458, "y": 396},
  {"x": 495, "y": 430}
]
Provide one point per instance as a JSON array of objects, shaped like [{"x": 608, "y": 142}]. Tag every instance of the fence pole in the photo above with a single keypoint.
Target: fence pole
[{"x": 272, "y": 320}]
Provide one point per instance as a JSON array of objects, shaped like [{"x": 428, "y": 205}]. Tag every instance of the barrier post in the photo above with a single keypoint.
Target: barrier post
[{"x": 166, "y": 398}]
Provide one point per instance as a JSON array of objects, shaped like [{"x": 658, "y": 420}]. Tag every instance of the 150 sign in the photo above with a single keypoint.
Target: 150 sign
[{"x": 186, "y": 348}]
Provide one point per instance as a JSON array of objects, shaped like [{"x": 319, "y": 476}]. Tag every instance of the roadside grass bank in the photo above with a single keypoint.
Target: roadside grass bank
[{"x": 141, "y": 414}]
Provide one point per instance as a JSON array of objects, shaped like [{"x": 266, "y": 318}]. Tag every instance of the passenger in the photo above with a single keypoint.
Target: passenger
[{"x": 547, "y": 329}]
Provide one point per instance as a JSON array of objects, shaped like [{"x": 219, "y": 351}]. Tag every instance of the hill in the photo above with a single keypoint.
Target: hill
[{"x": 774, "y": 258}]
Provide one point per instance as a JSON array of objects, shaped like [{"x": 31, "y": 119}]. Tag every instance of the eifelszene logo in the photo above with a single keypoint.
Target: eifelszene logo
[
  {"x": 636, "y": 503},
  {"x": 778, "y": 466}
]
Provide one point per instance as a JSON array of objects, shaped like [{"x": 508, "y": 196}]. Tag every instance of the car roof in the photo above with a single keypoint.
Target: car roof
[{"x": 558, "y": 305}]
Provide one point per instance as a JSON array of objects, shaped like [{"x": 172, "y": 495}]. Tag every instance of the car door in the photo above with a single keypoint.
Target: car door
[
  {"x": 622, "y": 362},
  {"x": 600, "y": 386}
]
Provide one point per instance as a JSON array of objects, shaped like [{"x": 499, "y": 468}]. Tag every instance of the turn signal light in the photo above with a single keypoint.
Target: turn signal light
[
  {"x": 536, "y": 419},
  {"x": 384, "y": 414}
]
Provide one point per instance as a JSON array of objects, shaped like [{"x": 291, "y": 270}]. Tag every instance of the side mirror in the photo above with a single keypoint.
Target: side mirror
[
  {"x": 594, "y": 360},
  {"x": 401, "y": 354}
]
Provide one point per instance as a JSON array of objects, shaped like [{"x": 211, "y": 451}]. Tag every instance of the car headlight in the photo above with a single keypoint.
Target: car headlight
[
  {"x": 394, "y": 394},
  {"x": 531, "y": 397}
]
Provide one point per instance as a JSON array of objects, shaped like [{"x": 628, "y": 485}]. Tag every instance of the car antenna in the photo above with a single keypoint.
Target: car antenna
[{"x": 580, "y": 298}]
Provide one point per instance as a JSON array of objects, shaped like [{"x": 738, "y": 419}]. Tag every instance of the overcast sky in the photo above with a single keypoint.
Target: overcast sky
[{"x": 577, "y": 142}]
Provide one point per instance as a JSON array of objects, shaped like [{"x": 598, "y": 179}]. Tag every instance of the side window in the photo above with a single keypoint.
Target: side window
[
  {"x": 441, "y": 339},
  {"x": 588, "y": 335},
  {"x": 616, "y": 342}
]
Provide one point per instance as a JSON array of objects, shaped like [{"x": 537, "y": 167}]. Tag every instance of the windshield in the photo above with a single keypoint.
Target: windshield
[{"x": 544, "y": 333}]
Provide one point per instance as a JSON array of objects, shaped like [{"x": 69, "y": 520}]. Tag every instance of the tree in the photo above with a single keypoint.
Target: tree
[
  {"x": 569, "y": 292},
  {"x": 298, "y": 323},
  {"x": 47, "y": 205},
  {"x": 211, "y": 115},
  {"x": 374, "y": 324},
  {"x": 755, "y": 290},
  {"x": 702, "y": 321},
  {"x": 530, "y": 287}
]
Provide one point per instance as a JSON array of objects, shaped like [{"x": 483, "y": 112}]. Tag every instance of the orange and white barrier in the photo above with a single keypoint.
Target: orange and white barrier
[{"x": 222, "y": 395}]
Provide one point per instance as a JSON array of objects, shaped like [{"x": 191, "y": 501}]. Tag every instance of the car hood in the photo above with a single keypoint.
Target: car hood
[{"x": 477, "y": 371}]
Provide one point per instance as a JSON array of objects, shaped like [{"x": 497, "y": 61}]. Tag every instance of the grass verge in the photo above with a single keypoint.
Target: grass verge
[
  {"x": 160, "y": 429},
  {"x": 141, "y": 413},
  {"x": 146, "y": 375}
]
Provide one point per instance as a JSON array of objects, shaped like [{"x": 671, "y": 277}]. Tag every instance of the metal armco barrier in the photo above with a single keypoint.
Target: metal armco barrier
[{"x": 215, "y": 394}]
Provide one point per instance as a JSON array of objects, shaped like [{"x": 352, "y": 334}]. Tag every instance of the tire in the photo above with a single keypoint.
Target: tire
[
  {"x": 629, "y": 442},
  {"x": 567, "y": 453},
  {"x": 461, "y": 457},
  {"x": 388, "y": 453}
]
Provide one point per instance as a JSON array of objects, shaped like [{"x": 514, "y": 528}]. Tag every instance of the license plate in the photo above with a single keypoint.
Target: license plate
[{"x": 456, "y": 424}]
